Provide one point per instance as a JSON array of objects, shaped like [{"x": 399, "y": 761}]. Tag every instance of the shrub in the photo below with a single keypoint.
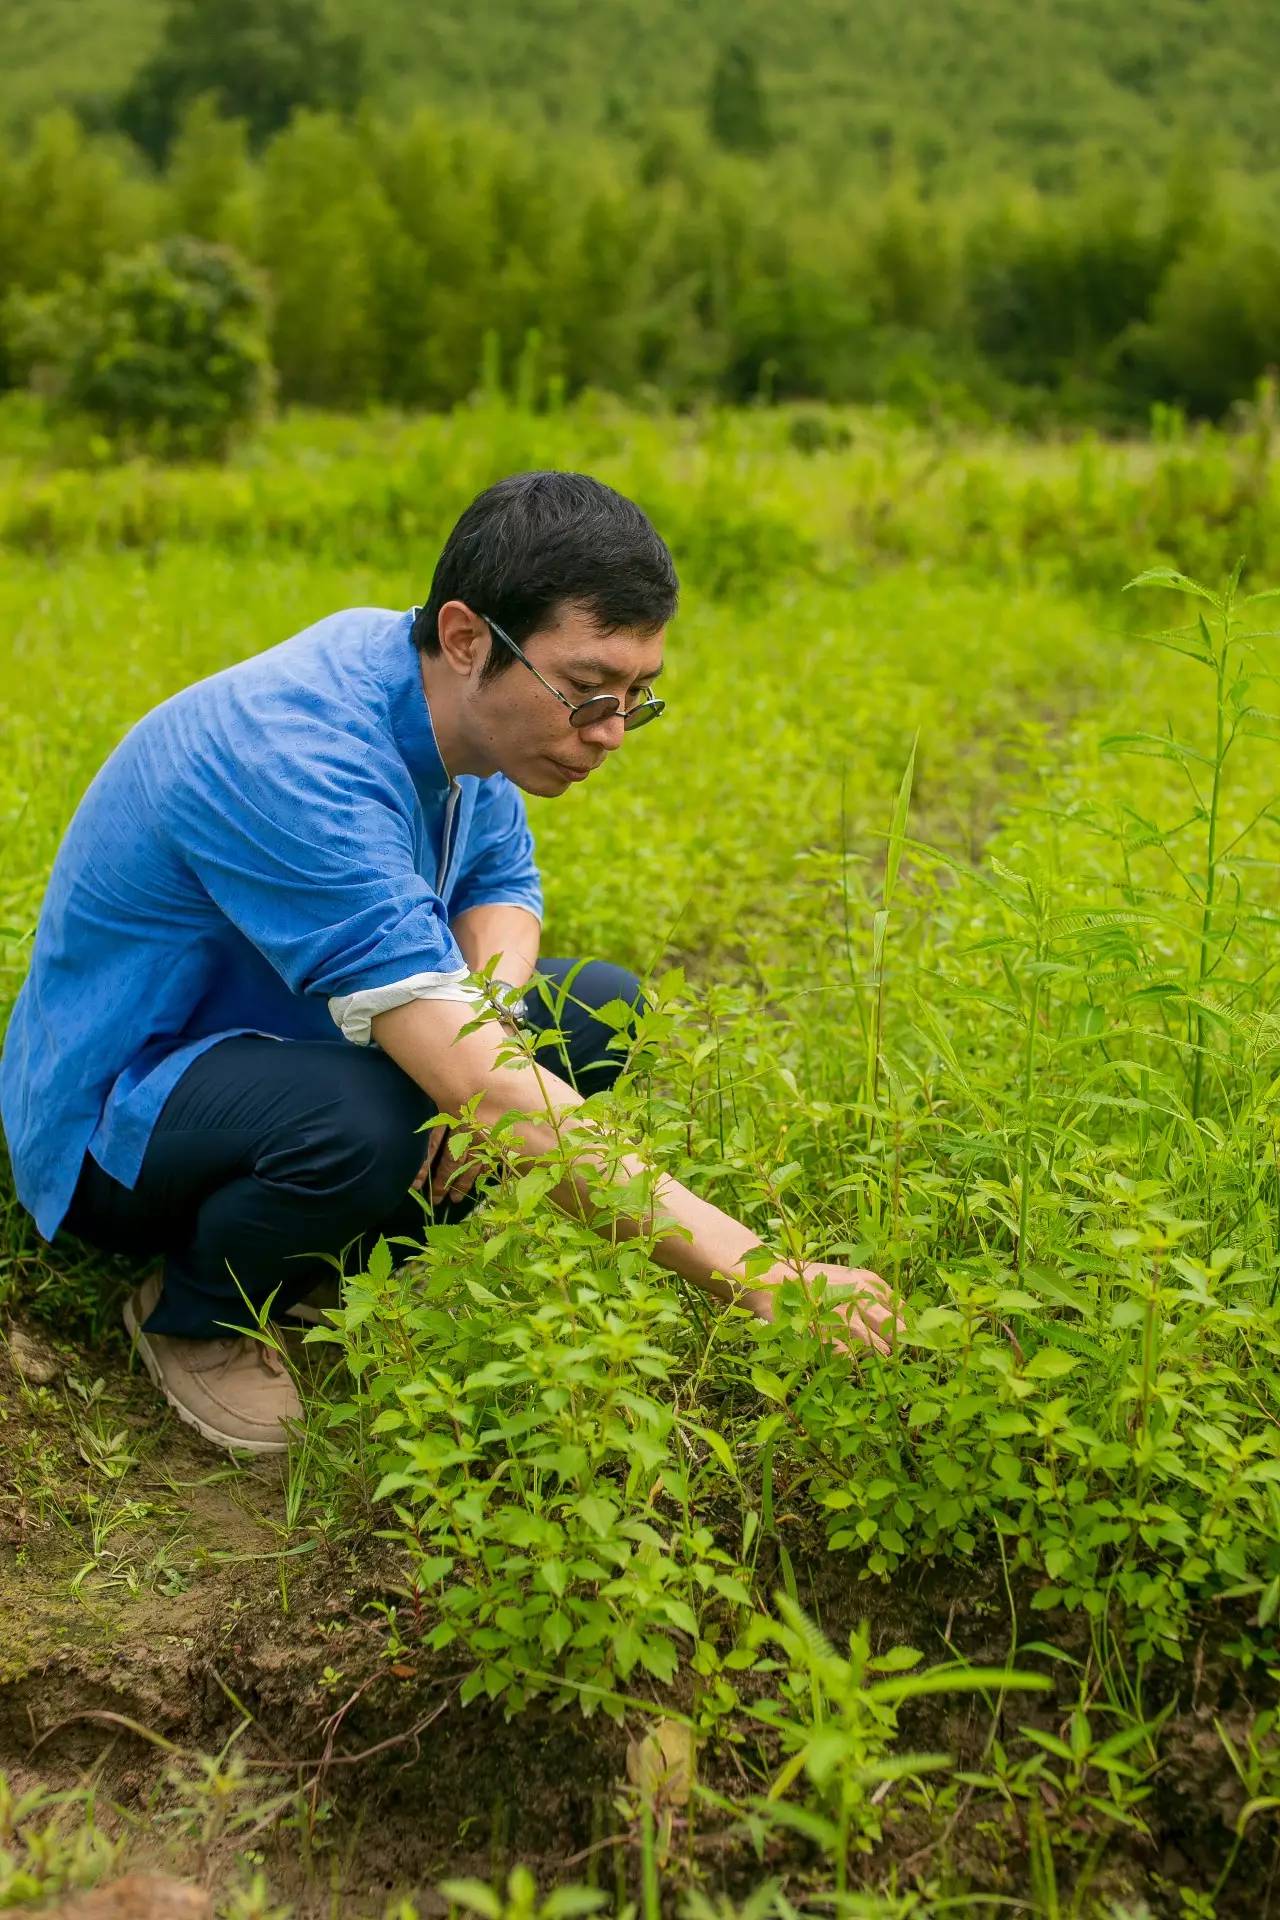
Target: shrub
[
  {"x": 166, "y": 354},
  {"x": 1215, "y": 324}
]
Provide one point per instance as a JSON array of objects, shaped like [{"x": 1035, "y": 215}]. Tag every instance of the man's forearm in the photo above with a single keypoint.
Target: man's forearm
[
  {"x": 546, "y": 1123},
  {"x": 512, "y": 933},
  {"x": 710, "y": 1250},
  {"x": 533, "y": 1112}
]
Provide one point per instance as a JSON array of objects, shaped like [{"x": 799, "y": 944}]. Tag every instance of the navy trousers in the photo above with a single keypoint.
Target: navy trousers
[{"x": 270, "y": 1154}]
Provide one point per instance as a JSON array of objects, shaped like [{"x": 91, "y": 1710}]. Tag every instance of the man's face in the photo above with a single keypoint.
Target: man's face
[{"x": 520, "y": 725}]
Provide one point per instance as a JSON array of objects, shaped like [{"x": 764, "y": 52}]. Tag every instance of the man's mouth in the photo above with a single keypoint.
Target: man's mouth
[{"x": 572, "y": 773}]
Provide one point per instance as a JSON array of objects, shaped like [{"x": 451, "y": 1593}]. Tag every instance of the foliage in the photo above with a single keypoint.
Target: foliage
[
  {"x": 737, "y": 117},
  {"x": 957, "y": 95},
  {"x": 520, "y": 1900},
  {"x": 166, "y": 352},
  {"x": 260, "y": 61},
  {"x": 1217, "y": 312},
  {"x": 833, "y": 494},
  {"x": 955, "y": 891},
  {"x": 501, "y": 1456},
  {"x": 836, "y": 1724},
  {"x": 411, "y": 261},
  {"x": 50, "y": 1843}
]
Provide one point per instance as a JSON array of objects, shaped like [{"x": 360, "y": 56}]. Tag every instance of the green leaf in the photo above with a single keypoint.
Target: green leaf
[
  {"x": 566, "y": 1903},
  {"x": 898, "y": 827},
  {"x": 1002, "y": 1426},
  {"x": 916, "y": 1686},
  {"x": 681, "y": 1615},
  {"x": 719, "y": 1446},
  {"x": 474, "y": 1895},
  {"x": 897, "y": 1660},
  {"x": 1173, "y": 582},
  {"x": 1051, "y": 1363},
  {"x": 768, "y": 1384},
  {"x": 1155, "y": 746},
  {"x": 600, "y": 1514},
  {"x": 395, "y": 1483},
  {"x": 627, "y": 1648}
]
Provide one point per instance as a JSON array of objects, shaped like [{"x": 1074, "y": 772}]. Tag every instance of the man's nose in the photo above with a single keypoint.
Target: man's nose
[{"x": 606, "y": 733}]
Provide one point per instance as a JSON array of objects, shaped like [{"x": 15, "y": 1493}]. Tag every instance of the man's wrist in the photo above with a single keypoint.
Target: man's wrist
[
  {"x": 753, "y": 1281},
  {"x": 511, "y": 1000}
]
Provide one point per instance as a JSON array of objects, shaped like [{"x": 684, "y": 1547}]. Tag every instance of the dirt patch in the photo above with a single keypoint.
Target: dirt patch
[
  {"x": 149, "y": 1610},
  {"x": 156, "y": 1601}
]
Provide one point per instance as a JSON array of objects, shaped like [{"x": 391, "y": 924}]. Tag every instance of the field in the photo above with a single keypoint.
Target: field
[{"x": 952, "y": 871}]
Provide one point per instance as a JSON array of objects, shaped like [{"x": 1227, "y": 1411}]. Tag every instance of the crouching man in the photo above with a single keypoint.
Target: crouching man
[{"x": 254, "y": 962}]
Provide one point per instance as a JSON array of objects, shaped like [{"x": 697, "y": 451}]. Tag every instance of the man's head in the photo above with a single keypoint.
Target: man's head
[{"x": 577, "y": 577}]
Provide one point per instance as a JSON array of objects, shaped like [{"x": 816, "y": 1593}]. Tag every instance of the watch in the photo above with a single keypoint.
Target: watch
[{"x": 511, "y": 999}]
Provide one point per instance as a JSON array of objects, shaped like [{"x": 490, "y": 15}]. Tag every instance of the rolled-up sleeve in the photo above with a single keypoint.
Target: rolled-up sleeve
[
  {"x": 498, "y": 868},
  {"x": 309, "y": 851}
]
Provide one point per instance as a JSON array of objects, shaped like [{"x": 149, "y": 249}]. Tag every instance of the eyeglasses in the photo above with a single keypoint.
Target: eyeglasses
[{"x": 600, "y": 706}]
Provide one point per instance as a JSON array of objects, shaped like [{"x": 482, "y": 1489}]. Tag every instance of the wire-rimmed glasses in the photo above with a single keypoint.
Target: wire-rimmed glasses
[{"x": 598, "y": 706}]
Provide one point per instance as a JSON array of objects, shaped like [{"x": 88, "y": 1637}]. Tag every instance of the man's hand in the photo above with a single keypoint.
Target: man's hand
[
  {"x": 451, "y": 1177},
  {"x": 860, "y": 1298},
  {"x": 465, "y": 1067}
]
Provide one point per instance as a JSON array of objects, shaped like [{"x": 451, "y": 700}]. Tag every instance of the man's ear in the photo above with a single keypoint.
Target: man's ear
[{"x": 464, "y": 638}]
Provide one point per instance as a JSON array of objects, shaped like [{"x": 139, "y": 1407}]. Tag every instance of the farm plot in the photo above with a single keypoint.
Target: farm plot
[{"x": 956, "y": 897}]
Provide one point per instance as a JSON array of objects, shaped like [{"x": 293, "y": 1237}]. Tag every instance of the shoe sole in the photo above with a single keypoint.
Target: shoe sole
[
  {"x": 309, "y": 1316},
  {"x": 225, "y": 1440}
]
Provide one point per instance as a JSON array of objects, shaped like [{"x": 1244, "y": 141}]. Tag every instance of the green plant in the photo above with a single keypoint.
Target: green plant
[
  {"x": 589, "y": 1480},
  {"x": 535, "y": 1472},
  {"x": 50, "y": 1843},
  {"x": 520, "y": 1900},
  {"x": 166, "y": 353},
  {"x": 835, "y": 1724}
]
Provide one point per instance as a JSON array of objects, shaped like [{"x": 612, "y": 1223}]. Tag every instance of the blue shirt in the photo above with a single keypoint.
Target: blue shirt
[{"x": 266, "y": 839}]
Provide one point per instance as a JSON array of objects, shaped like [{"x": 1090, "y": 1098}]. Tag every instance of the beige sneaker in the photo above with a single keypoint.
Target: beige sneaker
[{"x": 235, "y": 1391}]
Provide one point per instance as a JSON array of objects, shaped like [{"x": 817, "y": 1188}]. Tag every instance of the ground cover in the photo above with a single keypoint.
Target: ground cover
[{"x": 955, "y": 896}]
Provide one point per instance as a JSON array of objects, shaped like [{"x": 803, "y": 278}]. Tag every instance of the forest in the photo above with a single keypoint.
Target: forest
[{"x": 765, "y": 234}]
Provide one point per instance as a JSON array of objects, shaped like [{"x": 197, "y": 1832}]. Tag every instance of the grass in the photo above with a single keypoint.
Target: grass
[{"x": 956, "y": 895}]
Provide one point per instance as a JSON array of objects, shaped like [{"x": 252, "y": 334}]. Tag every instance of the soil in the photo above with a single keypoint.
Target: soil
[{"x": 206, "y": 1610}]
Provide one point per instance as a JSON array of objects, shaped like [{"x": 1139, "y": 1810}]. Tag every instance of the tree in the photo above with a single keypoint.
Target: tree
[
  {"x": 1215, "y": 322},
  {"x": 166, "y": 354},
  {"x": 259, "y": 60},
  {"x": 326, "y": 229},
  {"x": 736, "y": 110},
  {"x": 210, "y": 178}
]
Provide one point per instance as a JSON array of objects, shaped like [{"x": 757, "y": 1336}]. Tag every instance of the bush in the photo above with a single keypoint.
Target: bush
[
  {"x": 166, "y": 354},
  {"x": 1215, "y": 324}
]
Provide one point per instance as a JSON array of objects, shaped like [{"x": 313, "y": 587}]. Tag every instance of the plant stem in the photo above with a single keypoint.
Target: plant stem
[
  {"x": 1210, "y": 881},
  {"x": 1028, "y": 1087}
]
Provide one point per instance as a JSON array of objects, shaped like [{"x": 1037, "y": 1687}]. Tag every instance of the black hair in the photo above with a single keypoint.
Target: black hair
[{"x": 535, "y": 542}]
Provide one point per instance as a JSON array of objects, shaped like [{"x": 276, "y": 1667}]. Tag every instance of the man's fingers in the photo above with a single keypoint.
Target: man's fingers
[
  {"x": 434, "y": 1139},
  {"x": 864, "y": 1338},
  {"x": 871, "y": 1283},
  {"x": 873, "y": 1324},
  {"x": 883, "y": 1317},
  {"x": 861, "y": 1325},
  {"x": 452, "y": 1179},
  {"x": 453, "y": 1183}
]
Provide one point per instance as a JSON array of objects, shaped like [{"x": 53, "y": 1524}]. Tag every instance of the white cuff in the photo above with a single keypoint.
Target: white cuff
[
  {"x": 353, "y": 1013},
  {"x": 499, "y": 900}
]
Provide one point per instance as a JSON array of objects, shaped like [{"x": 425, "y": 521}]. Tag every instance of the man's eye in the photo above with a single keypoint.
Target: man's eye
[{"x": 586, "y": 691}]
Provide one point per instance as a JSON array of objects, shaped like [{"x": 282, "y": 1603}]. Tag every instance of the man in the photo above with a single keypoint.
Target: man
[{"x": 254, "y": 964}]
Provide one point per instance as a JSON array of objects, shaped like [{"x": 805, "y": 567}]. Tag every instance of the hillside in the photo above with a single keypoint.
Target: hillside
[{"x": 957, "y": 89}]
